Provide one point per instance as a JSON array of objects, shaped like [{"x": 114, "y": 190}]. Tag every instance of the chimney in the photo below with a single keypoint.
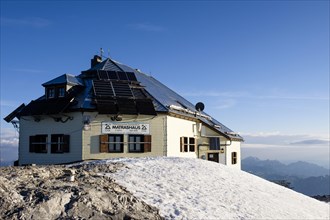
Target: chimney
[{"x": 96, "y": 60}]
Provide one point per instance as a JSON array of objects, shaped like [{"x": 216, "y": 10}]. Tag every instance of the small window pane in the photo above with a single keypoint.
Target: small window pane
[
  {"x": 116, "y": 143},
  {"x": 61, "y": 92},
  {"x": 51, "y": 93},
  {"x": 136, "y": 143}
]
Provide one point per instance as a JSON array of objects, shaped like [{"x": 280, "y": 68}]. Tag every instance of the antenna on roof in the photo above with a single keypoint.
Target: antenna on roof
[
  {"x": 101, "y": 52},
  {"x": 108, "y": 53}
]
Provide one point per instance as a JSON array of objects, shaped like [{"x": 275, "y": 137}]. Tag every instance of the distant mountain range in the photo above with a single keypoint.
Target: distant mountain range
[{"x": 307, "y": 178}]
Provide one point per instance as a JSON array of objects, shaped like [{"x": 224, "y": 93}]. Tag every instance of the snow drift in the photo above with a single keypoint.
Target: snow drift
[{"x": 196, "y": 189}]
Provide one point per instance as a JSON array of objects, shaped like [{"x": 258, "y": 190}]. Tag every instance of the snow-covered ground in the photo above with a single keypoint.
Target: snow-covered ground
[{"x": 196, "y": 189}]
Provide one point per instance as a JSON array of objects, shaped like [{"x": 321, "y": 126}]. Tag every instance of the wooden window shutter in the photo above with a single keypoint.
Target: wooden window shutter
[
  {"x": 104, "y": 138},
  {"x": 147, "y": 143},
  {"x": 66, "y": 144},
  {"x": 233, "y": 157},
  {"x": 31, "y": 146},
  {"x": 53, "y": 146},
  {"x": 181, "y": 144}
]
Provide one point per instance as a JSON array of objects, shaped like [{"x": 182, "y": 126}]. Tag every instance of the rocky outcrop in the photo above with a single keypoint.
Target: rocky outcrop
[{"x": 46, "y": 192}]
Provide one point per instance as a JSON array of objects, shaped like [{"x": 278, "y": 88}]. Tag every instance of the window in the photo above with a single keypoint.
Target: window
[
  {"x": 38, "y": 143},
  {"x": 214, "y": 143},
  {"x": 116, "y": 143},
  {"x": 139, "y": 143},
  {"x": 135, "y": 143},
  {"x": 233, "y": 158},
  {"x": 60, "y": 143},
  {"x": 187, "y": 144},
  {"x": 111, "y": 143},
  {"x": 50, "y": 93},
  {"x": 61, "y": 92}
]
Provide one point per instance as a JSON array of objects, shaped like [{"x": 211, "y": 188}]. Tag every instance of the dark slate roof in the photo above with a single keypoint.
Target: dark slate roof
[
  {"x": 146, "y": 92},
  {"x": 107, "y": 64},
  {"x": 64, "y": 79},
  {"x": 166, "y": 100},
  {"x": 46, "y": 107}
]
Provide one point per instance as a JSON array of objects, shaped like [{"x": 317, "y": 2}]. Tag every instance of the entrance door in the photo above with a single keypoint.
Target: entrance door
[{"x": 213, "y": 157}]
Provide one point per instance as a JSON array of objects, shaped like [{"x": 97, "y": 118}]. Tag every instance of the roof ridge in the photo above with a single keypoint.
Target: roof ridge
[{"x": 115, "y": 63}]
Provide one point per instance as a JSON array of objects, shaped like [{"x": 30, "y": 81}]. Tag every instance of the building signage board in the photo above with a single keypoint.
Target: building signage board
[{"x": 125, "y": 128}]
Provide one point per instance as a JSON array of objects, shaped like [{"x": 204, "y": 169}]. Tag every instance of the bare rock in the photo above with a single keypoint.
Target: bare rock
[{"x": 44, "y": 192}]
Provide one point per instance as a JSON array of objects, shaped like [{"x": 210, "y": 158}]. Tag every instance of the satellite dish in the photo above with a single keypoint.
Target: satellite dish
[{"x": 199, "y": 106}]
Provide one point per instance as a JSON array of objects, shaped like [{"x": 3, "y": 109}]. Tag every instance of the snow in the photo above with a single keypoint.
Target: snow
[{"x": 185, "y": 188}]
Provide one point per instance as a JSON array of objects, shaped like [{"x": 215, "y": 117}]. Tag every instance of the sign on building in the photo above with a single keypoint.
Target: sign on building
[{"x": 125, "y": 128}]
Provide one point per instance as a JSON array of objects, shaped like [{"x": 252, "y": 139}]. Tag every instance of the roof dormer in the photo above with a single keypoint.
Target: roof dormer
[{"x": 58, "y": 87}]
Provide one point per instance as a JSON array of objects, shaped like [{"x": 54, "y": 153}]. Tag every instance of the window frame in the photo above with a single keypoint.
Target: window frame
[
  {"x": 188, "y": 144},
  {"x": 115, "y": 143},
  {"x": 38, "y": 143},
  {"x": 136, "y": 143},
  {"x": 50, "y": 92},
  {"x": 233, "y": 157},
  {"x": 60, "y": 143},
  {"x": 61, "y": 91}
]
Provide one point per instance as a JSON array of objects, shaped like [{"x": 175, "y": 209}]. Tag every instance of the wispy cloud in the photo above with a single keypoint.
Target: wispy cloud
[
  {"x": 26, "y": 70},
  {"x": 227, "y": 94},
  {"x": 244, "y": 94},
  {"x": 294, "y": 97},
  {"x": 276, "y": 139},
  {"x": 8, "y": 144},
  {"x": 7, "y": 103},
  {"x": 311, "y": 142},
  {"x": 35, "y": 22},
  {"x": 147, "y": 27},
  {"x": 227, "y": 103},
  {"x": 9, "y": 138}
]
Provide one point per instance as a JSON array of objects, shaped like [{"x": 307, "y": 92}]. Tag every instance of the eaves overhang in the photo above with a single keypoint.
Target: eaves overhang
[{"x": 14, "y": 114}]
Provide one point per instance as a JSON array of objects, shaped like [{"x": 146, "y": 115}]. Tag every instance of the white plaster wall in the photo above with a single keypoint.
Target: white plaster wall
[
  {"x": 91, "y": 143},
  {"x": 47, "y": 125},
  {"x": 176, "y": 128},
  {"x": 234, "y": 147}
]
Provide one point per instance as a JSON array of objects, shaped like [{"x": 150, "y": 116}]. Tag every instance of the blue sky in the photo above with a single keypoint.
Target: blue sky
[{"x": 260, "y": 67}]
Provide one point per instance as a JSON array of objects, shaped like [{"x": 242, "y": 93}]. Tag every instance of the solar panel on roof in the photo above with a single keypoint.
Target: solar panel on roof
[
  {"x": 122, "y": 76},
  {"x": 122, "y": 89},
  {"x": 112, "y": 75},
  {"x": 106, "y": 106},
  {"x": 40, "y": 107},
  {"x": 138, "y": 93},
  {"x": 102, "y": 88},
  {"x": 126, "y": 106},
  {"x": 131, "y": 76},
  {"x": 102, "y": 74},
  {"x": 145, "y": 107}
]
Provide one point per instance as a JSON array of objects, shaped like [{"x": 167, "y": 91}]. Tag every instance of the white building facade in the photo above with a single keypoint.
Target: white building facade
[{"x": 111, "y": 111}]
